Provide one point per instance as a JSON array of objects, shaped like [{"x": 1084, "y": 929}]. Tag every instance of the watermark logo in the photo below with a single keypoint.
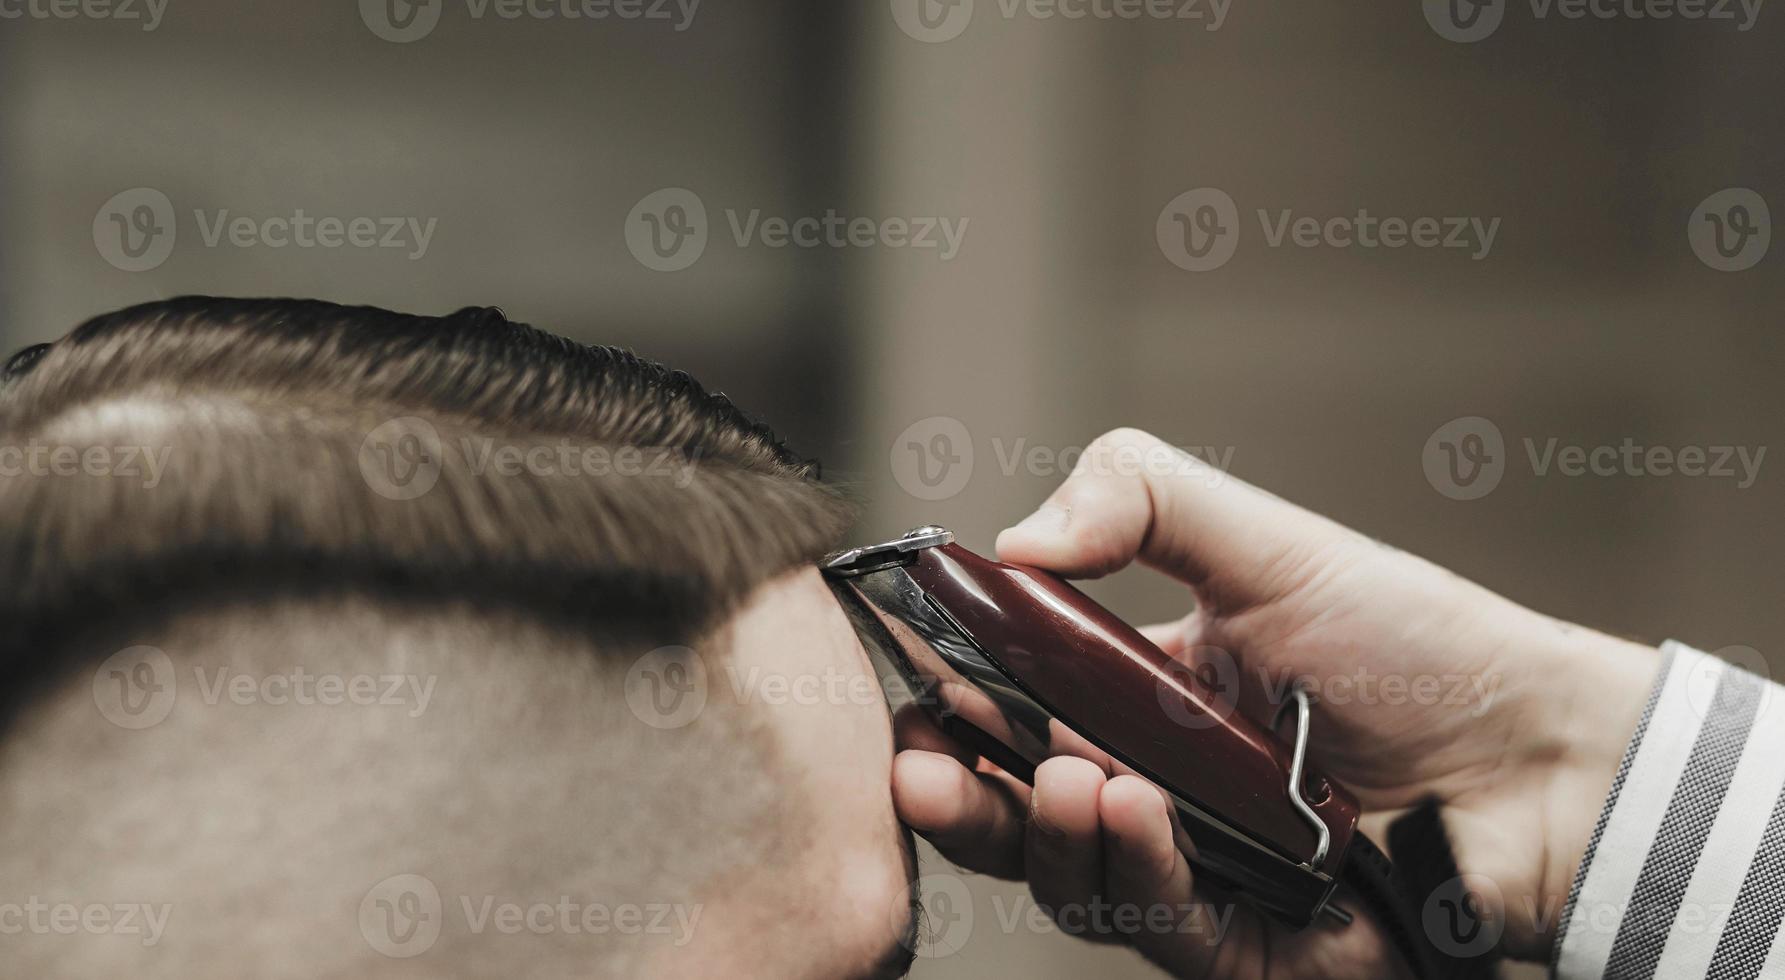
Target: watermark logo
[
  {"x": 1199, "y": 229},
  {"x": 1465, "y": 458},
  {"x": 933, "y": 458},
  {"x": 403, "y": 915},
  {"x": 670, "y": 686},
  {"x": 807, "y": 688},
  {"x": 401, "y": 21},
  {"x": 405, "y": 21},
  {"x": 1201, "y": 687},
  {"x": 933, "y": 21},
  {"x": 1468, "y": 21},
  {"x": 941, "y": 912},
  {"x": 1186, "y": 921},
  {"x": 135, "y": 230},
  {"x": 1458, "y": 916},
  {"x": 1474, "y": 694},
  {"x": 1709, "y": 675},
  {"x": 667, "y": 230},
  {"x": 1731, "y": 230},
  {"x": 1465, "y": 21},
  {"x": 484, "y": 455},
  {"x": 667, "y": 687},
  {"x": 944, "y": 909},
  {"x": 400, "y": 917},
  {"x": 135, "y": 688},
  {"x": 401, "y": 459},
  {"x": 1609, "y": 919}
]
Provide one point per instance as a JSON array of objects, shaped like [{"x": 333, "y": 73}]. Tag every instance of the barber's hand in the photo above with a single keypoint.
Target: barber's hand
[{"x": 1520, "y": 738}]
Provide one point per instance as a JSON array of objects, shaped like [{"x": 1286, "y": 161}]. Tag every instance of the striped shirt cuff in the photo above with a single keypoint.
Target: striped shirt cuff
[{"x": 1685, "y": 872}]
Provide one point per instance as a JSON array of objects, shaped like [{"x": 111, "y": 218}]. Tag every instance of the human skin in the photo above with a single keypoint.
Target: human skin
[
  {"x": 836, "y": 750},
  {"x": 261, "y": 826},
  {"x": 1522, "y": 767}
]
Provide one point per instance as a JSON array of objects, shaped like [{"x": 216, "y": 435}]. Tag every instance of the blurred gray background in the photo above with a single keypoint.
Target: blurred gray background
[{"x": 1324, "y": 371}]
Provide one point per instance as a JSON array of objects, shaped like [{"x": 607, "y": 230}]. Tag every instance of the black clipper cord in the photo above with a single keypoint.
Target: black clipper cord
[
  {"x": 1396, "y": 894},
  {"x": 1370, "y": 876}
]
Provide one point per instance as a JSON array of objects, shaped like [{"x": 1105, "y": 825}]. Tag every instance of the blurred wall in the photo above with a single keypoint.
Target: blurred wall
[
  {"x": 525, "y": 143},
  {"x": 1323, "y": 373}
]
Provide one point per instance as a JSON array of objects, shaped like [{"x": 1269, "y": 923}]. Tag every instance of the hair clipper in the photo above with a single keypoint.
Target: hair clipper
[{"x": 1020, "y": 666}]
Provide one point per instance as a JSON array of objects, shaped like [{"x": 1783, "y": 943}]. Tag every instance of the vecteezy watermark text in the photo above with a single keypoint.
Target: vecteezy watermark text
[
  {"x": 402, "y": 459},
  {"x": 1468, "y": 21},
  {"x": 668, "y": 687},
  {"x": 403, "y": 21},
  {"x": 301, "y": 230},
  {"x": 143, "y": 463},
  {"x": 1213, "y": 675},
  {"x": 935, "y": 21},
  {"x": 137, "y": 687},
  {"x": 484, "y": 456},
  {"x": 668, "y": 231},
  {"x": 37, "y": 917},
  {"x": 947, "y": 917},
  {"x": 402, "y": 916},
  {"x": 149, "y": 12},
  {"x": 135, "y": 231},
  {"x": 1363, "y": 686},
  {"x": 1199, "y": 230},
  {"x": 1466, "y": 458},
  {"x": 300, "y": 687},
  {"x": 934, "y": 458}
]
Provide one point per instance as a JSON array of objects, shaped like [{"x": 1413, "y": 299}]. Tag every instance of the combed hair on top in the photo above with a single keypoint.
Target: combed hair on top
[{"x": 268, "y": 414}]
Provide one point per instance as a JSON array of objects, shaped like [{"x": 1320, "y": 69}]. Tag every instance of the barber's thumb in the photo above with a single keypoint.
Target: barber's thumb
[
  {"x": 1086, "y": 529},
  {"x": 1132, "y": 496}
]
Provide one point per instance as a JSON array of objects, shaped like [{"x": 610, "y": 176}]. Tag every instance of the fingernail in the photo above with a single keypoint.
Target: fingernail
[{"x": 1049, "y": 832}]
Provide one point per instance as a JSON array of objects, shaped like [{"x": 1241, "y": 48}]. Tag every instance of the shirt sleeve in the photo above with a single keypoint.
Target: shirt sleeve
[{"x": 1685, "y": 872}]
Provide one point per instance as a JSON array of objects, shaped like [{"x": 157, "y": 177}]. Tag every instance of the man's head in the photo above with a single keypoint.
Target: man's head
[{"x": 342, "y": 642}]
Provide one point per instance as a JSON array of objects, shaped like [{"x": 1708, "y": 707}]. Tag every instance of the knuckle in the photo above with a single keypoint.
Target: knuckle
[{"x": 1125, "y": 437}]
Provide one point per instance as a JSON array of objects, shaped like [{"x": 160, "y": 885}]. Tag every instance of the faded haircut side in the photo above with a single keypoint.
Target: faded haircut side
[{"x": 269, "y": 534}]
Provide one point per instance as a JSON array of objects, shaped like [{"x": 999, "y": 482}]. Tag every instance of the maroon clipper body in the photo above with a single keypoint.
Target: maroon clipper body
[{"x": 1022, "y": 666}]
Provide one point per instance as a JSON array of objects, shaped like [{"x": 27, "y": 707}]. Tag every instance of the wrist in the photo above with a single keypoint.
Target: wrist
[{"x": 1592, "y": 697}]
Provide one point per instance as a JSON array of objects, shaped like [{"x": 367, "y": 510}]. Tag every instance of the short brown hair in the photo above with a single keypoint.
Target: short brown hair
[{"x": 265, "y": 409}]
